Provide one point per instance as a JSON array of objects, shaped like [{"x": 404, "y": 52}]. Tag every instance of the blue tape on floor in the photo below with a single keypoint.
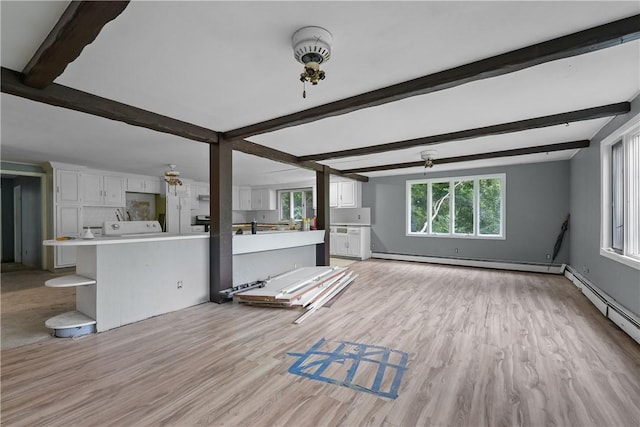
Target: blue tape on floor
[{"x": 352, "y": 364}]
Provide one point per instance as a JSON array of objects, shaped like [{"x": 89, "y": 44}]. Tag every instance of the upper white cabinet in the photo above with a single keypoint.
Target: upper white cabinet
[
  {"x": 263, "y": 199},
  {"x": 343, "y": 194},
  {"x": 144, "y": 185},
  {"x": 68, "y": 186},
  {"x": 244, "y": 199},
  {"x": 198, "y": 191},
  {"x": 100, "y": 190}
]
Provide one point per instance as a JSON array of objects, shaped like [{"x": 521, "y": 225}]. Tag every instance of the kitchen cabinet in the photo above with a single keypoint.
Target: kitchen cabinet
[
  {"x": 352, "y": 242},
  {"x": 343, "y": 194},
  {"x": 263, "y": 199},
  {"x": 244, "y": 199},
  {"x": 198, "y": 192},
  {"x": 144, "y": 185},
  {"x": 100, "y": 190},
  {"x": 68, "y": 223},
  {"x": 178, "y": 213},
  {"x": 68, "y": 186}
]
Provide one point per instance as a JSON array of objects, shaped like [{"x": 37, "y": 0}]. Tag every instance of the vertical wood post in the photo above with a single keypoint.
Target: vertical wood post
[
  {"x": 322, "y": 216},
  {"x": 221, "y": 222}
]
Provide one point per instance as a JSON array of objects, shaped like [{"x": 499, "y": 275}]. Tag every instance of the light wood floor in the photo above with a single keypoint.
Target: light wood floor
[{"x": 486, "y": 348}]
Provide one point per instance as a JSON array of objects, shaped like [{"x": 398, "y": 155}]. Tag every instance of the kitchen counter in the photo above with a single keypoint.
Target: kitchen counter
[{"x": 140, "y": 276}]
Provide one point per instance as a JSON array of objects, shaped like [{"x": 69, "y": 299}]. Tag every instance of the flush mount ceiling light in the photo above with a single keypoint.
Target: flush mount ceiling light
[
  {"x": 311, "y": 47},
  {"x": 172, "y": 177},
  {"x": 428, "y": 156}
]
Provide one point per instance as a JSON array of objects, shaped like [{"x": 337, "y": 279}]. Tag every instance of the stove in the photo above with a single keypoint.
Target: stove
[
  {"x": 123, "y": 228},
  {"x": 203, "y": 220}
]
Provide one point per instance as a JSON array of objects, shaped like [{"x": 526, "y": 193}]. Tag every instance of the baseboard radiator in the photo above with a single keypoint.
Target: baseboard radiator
[
  {"x": 609, "y": 308},
  {"x": 468, "y": 262}
]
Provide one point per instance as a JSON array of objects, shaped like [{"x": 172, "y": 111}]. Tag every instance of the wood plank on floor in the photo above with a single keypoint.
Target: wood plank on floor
[{"x": 485, "y": 347}]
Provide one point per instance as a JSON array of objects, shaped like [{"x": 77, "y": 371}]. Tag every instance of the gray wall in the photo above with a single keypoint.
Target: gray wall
[
  {"x": 618, "y": 280},
  {"x": 7, "y": 220},
  {"x": 537, "y": 204}
]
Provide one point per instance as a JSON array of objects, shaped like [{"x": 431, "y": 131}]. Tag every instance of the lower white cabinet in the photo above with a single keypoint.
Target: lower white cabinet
[
  {"x": 68, "y": 224},
  {"x": 352, "y": 242}
]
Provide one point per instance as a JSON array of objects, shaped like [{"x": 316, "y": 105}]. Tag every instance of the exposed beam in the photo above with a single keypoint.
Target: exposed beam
[
  {"x": 323, "y": 216},
  {"x": 66, "y": 97},
  {"x": 220, "y": 220},
  {"x": 592, "y": 39},
  {"x": 492, "y": 155},
  {"x": 78, "y": 26},
  {"x": 521, "y": 125},
  {"x": 254, "y": 149}
]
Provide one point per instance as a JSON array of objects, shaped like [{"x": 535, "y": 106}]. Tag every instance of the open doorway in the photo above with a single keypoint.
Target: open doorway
[{"x": 21, "y": 219}]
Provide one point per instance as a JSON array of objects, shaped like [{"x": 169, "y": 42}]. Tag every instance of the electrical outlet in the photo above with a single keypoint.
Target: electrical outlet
[
  {"x": 358, "y": 216},
  {"x": 264, "y": 216},
  {"x": 548, "y": 256},
  {"x": 456, "y": 249},
  {"x": 179, "y": 284}
]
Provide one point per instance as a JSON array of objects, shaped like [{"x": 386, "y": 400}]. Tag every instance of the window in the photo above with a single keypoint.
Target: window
[
  {"x": 295, "y": 204},
  {"x": 457, "y": 207},
  {"x": 620, "y": 228}
]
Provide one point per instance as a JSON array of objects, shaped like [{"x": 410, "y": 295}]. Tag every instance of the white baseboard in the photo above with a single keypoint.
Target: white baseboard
[
  {"x": 609, "y": 307},
  {"x": 498, "y": 265}
]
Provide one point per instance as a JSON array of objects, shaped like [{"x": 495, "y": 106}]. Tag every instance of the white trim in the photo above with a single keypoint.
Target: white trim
[
  {"x": 476, "y": 206},
  {"x": 498, "y": 265},
  {"x": 630, "y": 244},
  {"x": 614, "y": 311}
]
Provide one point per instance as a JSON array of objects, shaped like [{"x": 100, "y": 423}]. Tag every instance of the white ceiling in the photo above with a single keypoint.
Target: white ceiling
[{"x": 223, "y": 65}]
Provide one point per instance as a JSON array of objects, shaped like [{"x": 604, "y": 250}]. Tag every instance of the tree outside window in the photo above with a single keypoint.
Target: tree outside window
[
  {"x": 460, "y": 207},
  {"x": 295, "y": 204}
]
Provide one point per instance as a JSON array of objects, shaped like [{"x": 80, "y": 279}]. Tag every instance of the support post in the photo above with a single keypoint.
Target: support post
[
  {"x": 221, "y": 221},
  {"x": 322, "y": 215}
]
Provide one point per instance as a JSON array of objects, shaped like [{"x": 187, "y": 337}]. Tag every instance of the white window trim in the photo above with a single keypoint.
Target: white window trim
[
  {"x": 630, "y": 127},
  {"x": 476, "y": 201},
  {"x": 291, "y": 190}
]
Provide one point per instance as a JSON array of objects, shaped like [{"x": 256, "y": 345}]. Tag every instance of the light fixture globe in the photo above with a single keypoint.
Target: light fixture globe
[
  {"x": 311, "y": 47},
  {"x": 428, "y": 156},
  {"x": 312, "y": 44}
]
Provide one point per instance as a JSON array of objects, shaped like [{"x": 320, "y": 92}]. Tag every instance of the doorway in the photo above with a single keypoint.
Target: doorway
[{"x": 22, "y": 222}]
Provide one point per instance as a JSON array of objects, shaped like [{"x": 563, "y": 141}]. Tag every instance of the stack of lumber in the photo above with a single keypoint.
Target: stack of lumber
[{"x": 307, "y": 287}]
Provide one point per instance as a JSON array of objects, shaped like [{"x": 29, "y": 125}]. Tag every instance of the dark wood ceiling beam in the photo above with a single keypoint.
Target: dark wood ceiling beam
[
  {"x": 481, "y": 156},
  {"x": 66, "y": 97},
  {"x": 521, "y": 125},
  {"x": 254, "y": 149},
  {"x": 78, "y": 26},
  {"x": 592, "y": 39}
]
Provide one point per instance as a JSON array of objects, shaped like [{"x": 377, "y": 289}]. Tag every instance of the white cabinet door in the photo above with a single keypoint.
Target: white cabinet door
[
  {"x": 353, "y": 245},
  {"x": 245, "y": 199},
  {"x": 347, "y": 194},
  {"x": 342, "y": 244},
  {"x": 68, "y": 223},
  {"x": 92, "y": 189},
  {"x": 263, "y": 199},
  {"x": 333, "y": 195},
  {"x": 332, "y": 244},
  {"x": 235, "y": 198},
  {"x": 102, "y": 190},
  {"x": 178, "y": 214},
  {"x": 142, "y": 185},
  {"x": 153, "y": 186},
  {"x": 68, "y": 186},
  {"x": 113, "y": 188}
]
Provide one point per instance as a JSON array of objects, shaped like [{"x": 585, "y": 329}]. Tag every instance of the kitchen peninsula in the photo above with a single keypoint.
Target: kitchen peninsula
[{"x": 139, "y": 276}]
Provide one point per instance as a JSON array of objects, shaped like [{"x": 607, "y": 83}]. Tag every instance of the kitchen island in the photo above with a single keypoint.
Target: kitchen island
[{"x": 142, "y": 276}]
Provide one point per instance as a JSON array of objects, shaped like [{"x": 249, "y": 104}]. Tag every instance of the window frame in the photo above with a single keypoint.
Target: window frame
[
  {"x": 630, "y": 254},
  {"x": 291, "y": 201},
  {"x": 476, "y": 207}
]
